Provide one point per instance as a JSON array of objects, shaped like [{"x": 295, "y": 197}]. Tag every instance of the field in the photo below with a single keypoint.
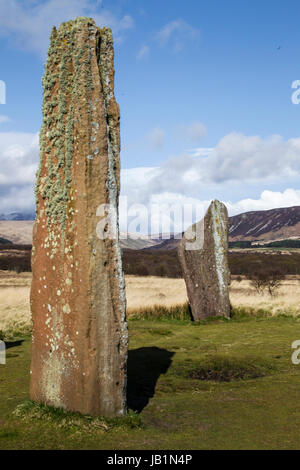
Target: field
[
  {"x": 148, "y": 292},
  {"x": 215, "y": 385}
]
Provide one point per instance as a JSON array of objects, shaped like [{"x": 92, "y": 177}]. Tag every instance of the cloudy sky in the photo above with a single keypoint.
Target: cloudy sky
[{"x": 205, "y": 91}]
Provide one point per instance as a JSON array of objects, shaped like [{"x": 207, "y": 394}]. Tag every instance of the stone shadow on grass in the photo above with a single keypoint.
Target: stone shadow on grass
[
  {"x": 13, "y": 344},
  {"x": 145, "y": 365}
]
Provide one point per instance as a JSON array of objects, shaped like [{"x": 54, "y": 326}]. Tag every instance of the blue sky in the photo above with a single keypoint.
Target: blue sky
[{"x": 204, "y": 90}]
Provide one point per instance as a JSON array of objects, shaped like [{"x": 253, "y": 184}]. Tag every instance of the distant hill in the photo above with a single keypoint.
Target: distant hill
[
  {"x": 17, "y": 231},
  {"x": 256, "y": 226},
  {"x": 261, "y": 227},
  {"x": 266, "y": 226},
  {"x": 4, "y": 241},
  {"x": 18, "y": 216},
  {"x": 168, "y": 244},
  {"x": 136, "y": 241},
  {"x": 20, "y": 233}
]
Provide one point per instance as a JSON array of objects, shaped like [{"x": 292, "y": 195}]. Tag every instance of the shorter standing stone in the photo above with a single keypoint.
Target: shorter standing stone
[{"x": 203, "y": 254}]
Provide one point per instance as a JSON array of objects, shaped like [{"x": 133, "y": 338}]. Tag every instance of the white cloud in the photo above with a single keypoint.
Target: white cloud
[
  {"x": 186, "y": 179},
  {"x": 201, "y": 151},
  {"x": 236, "y": 166},
  {"x": 134, "y": 187},
  {"x": 177, "y": 33},
  {"x": 29, "y": 23},
  {"x": 196, "y": 131},
  {"x": 19, "y": 155},
  {"x": 236, "y": 159},
  {"x": 239, "y": 157},
  {"x": 17, "y": 199},
  {"x": 143, "y": 52},
  {"x": 267, "y": 200},
  {"x": 192, "y": 208},
  {"x": 18, "y": 164},
  {"x": 192, "y": 134},
  {"x": 156, "y": 139},
  {"x": 4, "y": 119}
]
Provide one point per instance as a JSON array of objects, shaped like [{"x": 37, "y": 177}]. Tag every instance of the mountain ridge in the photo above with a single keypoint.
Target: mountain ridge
[
  {"x": 18, "y": 216},
  {"x": 255, "y": 226},
  {"x": 261, "y": 227}
]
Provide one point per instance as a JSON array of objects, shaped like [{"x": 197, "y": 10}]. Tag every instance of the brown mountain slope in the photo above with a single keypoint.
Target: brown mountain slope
[
  {"x": 20, "y": 233},
  {"x": 263, "y": 226},
  {"x": 274, "y": 224},
  {"x": 17, "y": 231}
]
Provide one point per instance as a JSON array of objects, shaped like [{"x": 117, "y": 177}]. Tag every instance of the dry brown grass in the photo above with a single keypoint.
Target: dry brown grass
[
  {"x": 286, "y": 301},
  {"x": 148, "y": 291},
  {"x": 144, "y": 292},
  {"x": 12, "y": 279},
  {"x": 14, "y": 300}
]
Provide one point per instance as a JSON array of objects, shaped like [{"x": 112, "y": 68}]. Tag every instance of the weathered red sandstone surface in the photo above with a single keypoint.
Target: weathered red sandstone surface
[{"x": 79, "y": 342}]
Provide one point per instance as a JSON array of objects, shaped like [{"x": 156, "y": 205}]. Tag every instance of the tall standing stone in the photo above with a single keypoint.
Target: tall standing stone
[
  {"x": 79, "y": 342},
  {"x": 203, "y": 254}
]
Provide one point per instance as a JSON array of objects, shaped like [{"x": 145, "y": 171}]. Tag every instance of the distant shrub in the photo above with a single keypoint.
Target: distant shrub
[
  {"x": 267, "y": 279},
  {"x": 240, "y": 244},
  {"x": 284, "y": 244},
  {"x": 151, "y": 262},
  {"x": 161, "y": 271},
  {"x": 142, "y": 270},
  {"x": 248, "y": 264},
  {"x": 165, "y": 263},
  {"x": 15, "y": 258}
]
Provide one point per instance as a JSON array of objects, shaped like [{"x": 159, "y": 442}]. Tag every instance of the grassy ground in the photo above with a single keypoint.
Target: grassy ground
[{"x": 217, "y": 385}]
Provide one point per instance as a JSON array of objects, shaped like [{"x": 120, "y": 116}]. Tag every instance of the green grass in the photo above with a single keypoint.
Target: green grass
[
  {"x": 162, "y": 313},
  {"x": 15, "y": 332},
  {"x": 226, "y": 369},
  {"x": 31, "y": 411},
  {"x": 216, "y": 385}
]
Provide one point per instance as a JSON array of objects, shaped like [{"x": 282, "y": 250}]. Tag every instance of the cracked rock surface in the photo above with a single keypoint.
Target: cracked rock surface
[
  {"x": 203, "y": 254},
  {"x": 80, "y": 337}
]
